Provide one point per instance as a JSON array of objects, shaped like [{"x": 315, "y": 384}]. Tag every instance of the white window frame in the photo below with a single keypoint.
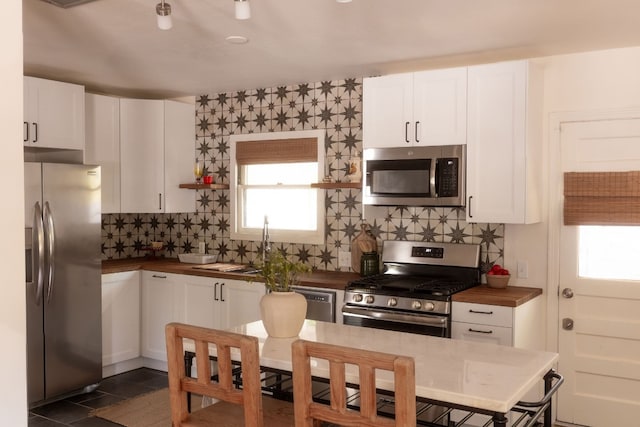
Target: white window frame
[{"x": 276, "y": 235}]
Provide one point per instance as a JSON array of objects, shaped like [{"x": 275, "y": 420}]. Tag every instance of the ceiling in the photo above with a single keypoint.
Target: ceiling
[{"x": 115, "y": 47}]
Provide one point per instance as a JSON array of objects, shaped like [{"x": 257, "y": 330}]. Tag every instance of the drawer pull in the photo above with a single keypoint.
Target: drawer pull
[
  {"x": 480, "y": 312},
  {"x": 479, "y": 331},
  {"x": 157, "y": 276}
]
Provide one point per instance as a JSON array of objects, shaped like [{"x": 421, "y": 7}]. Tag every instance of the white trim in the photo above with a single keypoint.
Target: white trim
[
  {"x": 556, "y": 119},
  {"x": 315, "y": 237}
]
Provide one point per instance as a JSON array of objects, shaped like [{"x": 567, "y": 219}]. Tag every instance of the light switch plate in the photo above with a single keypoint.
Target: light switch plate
[
  {"x": 523, "y": 269},
  {"x": 344, "y": 259}
]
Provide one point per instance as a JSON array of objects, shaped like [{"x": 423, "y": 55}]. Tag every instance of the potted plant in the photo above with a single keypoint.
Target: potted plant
[{"x": 283, "y": 311}]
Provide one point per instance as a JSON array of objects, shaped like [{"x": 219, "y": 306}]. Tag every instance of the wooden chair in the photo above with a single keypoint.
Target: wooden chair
[
  {"x": 237, "y": 407},
  {"x": 308, "y": 412}
]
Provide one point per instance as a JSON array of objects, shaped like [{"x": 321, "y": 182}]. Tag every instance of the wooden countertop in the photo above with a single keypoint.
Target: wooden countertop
[
  {"x": 511, "y": 296},
  {"x": 319, "y": 278}
]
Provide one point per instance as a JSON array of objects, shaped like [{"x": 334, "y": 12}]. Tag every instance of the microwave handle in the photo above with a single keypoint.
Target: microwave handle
[{"x": 433, "y": 178}]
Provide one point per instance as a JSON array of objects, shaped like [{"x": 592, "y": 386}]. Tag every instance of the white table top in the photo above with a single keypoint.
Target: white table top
[{"x": 468, "y": 373}]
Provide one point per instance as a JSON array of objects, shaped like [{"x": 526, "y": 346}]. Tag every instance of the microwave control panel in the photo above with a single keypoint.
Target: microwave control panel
[{"x": 447, "y": 185}]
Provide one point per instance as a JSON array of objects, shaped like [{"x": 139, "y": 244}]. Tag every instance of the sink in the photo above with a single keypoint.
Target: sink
[{"x": 198, "y": 258}]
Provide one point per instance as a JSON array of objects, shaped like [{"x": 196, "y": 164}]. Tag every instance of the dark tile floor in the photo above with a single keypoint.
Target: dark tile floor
[{"x": 74, "y": 411}]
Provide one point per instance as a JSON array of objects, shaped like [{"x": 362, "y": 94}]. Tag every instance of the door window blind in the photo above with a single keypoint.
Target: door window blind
[{"x": 602, "y": 198}]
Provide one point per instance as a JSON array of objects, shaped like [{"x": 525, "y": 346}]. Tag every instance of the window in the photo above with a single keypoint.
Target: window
[
  {"x": 609, "y": 252},
  {"x": 271, "y": 176},
  {"x": 606, "y": 208}
]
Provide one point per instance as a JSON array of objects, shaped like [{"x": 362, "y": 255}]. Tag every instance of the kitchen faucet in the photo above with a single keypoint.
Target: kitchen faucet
[{"x": 266, "y": 244}]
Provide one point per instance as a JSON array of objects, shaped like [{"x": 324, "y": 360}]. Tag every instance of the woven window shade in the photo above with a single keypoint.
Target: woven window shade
[
  {"x": 293, "y": 150},
  {"x": 602, "y": 198}
]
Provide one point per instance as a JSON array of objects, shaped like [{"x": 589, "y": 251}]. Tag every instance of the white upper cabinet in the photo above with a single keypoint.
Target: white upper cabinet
[
  {"x": 141, "y": 155},
  {"x": 423, "y": 108},
  {"x": 156, "y": 155},
  {"x": 53, "y": 114},
  {"x": 179, "y": 155},
  {"x": 504, "y": 143},
  {"x": 102, "y": 145}
]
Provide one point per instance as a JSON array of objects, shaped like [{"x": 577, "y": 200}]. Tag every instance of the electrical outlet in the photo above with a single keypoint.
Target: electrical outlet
[
  {"x": 344, "y": 259},
  {"x": 523, "y": 269}
]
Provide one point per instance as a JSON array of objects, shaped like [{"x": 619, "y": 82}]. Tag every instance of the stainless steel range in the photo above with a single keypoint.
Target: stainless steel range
[{"x": 413, "y": 294}]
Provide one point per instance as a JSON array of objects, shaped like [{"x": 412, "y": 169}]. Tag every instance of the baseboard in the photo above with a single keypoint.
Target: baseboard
[{"x": 120, "y": 367}]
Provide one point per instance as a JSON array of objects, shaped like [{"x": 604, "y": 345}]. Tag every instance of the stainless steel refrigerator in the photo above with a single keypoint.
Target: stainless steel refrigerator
[{"x": 63, "y": 280}]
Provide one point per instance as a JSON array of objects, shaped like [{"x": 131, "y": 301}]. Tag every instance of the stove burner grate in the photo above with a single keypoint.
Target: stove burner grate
[{"x": 418, "y": 285}]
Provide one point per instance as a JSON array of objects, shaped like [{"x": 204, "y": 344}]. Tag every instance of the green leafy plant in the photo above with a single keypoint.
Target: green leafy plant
[{"x": 278, "y": 273}]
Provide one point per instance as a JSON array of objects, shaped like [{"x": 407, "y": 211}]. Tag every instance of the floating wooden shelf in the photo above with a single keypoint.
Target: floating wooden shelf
[
  {"x": 195, "y": 186},
  {"x": 332, "y": 185}
]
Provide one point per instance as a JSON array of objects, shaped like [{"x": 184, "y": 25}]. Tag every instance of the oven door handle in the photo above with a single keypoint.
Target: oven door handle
[{"x": 391, "y": 316}]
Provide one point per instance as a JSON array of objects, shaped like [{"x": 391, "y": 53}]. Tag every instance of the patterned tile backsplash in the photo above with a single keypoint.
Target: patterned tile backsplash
[{"x": 335, "y": 106}]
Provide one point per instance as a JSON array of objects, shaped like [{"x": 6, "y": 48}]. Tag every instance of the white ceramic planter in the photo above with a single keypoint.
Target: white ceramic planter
[{"x": 283, "y": 313}]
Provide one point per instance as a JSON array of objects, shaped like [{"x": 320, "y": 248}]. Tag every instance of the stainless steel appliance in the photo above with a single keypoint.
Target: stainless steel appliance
[
  {"x": 62, "y": 229},
  {"x": 321, "y": 304},
  {"x": 414, "y": 176},
  {"x": 413, "y": 294}
]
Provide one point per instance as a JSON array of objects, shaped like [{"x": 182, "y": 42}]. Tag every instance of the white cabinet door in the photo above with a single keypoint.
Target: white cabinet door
[
  {"x": 179, "y": 155},
  {"x": 142, "y": 155},
  {"x": 242, "y": 301},
  {"x": 440, "y": 107},
  {"x": 156, "y": 154},
  {"x": 200, "y": 306},
  {"x": 424, "y": 108},
  {"x": 482, "y": 333},
  {"x": 387, "y": 111},
  {"x": 162, "y": 300},
  {"x": 120, "y": 317},
  {"x": 504, "y": 145},
  {"x": 53, "y": 114},
  {"x": 102, "y": 146}
]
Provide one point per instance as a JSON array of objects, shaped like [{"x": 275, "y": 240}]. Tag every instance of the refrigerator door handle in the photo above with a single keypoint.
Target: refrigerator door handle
[
  {"x": 37, "y": 245},
  {"x": 50, "y": 244}
]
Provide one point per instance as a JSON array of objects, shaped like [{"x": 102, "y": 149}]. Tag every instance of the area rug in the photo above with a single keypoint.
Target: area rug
[{"x": 149, "y": 410}]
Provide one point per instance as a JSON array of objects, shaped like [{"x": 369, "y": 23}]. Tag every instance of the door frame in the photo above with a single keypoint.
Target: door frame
[{"x": 556, "y": 119}]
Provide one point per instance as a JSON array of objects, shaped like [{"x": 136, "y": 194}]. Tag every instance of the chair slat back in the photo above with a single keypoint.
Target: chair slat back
[
  {"x": 307, "y": 411},
  {"x": 179, "y": 383}
]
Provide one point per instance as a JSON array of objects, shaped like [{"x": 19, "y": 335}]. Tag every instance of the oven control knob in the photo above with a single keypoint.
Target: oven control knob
[
  {"x": 392, "y": 302},
  {"x": 416, "y": 305},
  {"x": 369, "y": 299},
  {"x": 357, "y": 297},
  {"x": 429, "y": 306}
]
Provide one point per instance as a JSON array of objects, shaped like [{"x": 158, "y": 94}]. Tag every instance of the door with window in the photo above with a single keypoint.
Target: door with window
[{"x": 599, "y": 279}]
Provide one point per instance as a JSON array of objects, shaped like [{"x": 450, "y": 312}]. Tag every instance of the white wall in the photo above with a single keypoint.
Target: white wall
[
  {"x": 592, "y": 81},
  {"x": 13, "y": 390}
]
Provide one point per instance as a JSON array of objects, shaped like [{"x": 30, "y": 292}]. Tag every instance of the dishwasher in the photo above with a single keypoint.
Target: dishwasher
[{"x": 321, "y": 304}]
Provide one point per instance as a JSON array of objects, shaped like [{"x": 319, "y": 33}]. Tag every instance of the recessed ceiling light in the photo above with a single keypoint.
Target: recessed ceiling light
[
  {"x": 237, "y": 39},
  {"x": 343, "y": 1}
]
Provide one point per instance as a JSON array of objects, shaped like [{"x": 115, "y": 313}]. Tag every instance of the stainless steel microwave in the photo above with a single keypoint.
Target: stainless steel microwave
[{"x": 414, "y": 176}]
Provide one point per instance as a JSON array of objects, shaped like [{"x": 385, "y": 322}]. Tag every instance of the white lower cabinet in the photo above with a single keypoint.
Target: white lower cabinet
[
  {"x": 220, "y": 303},
  {"x": 520, "y": 326},
  {"x": 481, "y": 322},
  {"x": 120, "y": 317},
  {"x": 196, "y": 300},
  {"x": 162, "y": 296},
  {"x": 241, "y": 300}
]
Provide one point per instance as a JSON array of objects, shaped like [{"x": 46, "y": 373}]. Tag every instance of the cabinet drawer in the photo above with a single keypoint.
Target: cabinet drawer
[
  {"x": 482, "y": 333},
  {"x": 482, "y": 314}
]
